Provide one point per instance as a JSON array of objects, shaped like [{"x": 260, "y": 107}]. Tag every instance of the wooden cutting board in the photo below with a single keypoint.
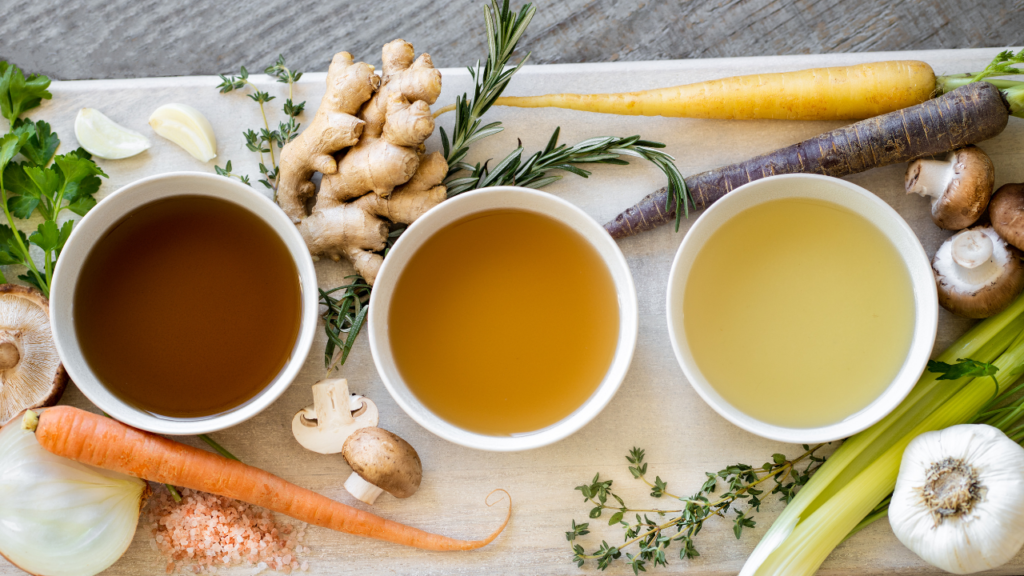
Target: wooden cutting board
[{"x": 655, "y": 409}]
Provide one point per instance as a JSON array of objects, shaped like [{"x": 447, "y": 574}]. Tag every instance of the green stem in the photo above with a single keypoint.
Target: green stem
[
  {"x": 220, "y": 449},
  {"x": 17, "y": 237},
  {"x": 1013, "y": 90},
  {"x": 174, "y": 493}
]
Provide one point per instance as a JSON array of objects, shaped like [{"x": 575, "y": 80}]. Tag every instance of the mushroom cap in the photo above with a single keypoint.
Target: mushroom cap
[
  {"x": 384, "y": 460},
  {"x": 967, "y": 183},
  {"x": 978, "y": 298},
  {"x": 31, "y": 373},
  {"x": 1007, "y": 213}
]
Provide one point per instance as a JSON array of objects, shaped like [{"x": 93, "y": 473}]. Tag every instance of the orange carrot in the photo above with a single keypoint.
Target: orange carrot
[{"x": 106, "y": 443}]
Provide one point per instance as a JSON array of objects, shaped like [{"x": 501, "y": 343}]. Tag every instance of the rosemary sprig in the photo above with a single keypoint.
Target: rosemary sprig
[
  {"x": 743, "y": 483},
  {"x": 263, "y": 140},
  {"x": 504, "y": 29},
  {"x": 535, "y": 171},
  {"x": 346, "y": 308}
]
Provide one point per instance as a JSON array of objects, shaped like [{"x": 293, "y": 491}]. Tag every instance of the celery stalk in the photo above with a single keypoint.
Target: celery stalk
[
  {"x": 814, "y": 538},
  {"x": 985, "y": 342}
]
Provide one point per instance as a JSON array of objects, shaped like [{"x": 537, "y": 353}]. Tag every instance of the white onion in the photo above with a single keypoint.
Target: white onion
[{"x": 59, "y": 517}]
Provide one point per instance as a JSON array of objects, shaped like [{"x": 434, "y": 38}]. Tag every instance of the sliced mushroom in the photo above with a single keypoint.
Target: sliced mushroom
[
  {"x": 977, "y": 273},
  {"x": 960, "y": 186},
  {"x": 381, "y": 462},
  {"x": 1006, "y": 211},
  {"x": 333, "y": 417},
  {"x": 31, "y": 374}
]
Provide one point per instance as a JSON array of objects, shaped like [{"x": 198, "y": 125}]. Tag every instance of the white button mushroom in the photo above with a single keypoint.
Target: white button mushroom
[
  {"x": 333, "y": 417},
  {"x": 31, "y": 374},
  {"x": 381, "y": 462},
  {"x": 960, "y": 186},
  {"x": 977, "y": 273}
]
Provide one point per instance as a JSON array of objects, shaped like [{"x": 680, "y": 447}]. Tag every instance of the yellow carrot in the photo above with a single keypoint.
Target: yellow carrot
[{"x": 836, "y": 93}]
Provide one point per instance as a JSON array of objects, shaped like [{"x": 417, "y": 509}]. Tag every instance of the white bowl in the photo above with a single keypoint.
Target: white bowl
[
  {"x": 455, "y": 209},
  {"x": 851, "y": 197},
  {"x": 111, "y": 210}
]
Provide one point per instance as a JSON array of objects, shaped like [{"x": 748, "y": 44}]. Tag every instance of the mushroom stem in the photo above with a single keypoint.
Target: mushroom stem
[
  {"x": 929, "y": 177},
  {"x": 362, "y": 489},
  {"x": 332, "y": 403},
  {"x": 972, "y": 253},
  {"x": 9, "y": 355}
]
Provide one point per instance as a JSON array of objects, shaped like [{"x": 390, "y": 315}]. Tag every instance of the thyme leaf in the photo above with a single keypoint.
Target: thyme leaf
[{"x": 744, "y": 486}]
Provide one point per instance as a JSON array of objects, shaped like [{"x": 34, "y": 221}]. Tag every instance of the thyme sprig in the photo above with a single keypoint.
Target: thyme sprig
[
  {"x": 743, "y": 483},
  {"x": 263, "y": 140}
]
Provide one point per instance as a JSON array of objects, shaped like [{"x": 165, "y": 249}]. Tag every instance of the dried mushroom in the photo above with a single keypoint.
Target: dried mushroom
[{"x": 31, "y": 374}]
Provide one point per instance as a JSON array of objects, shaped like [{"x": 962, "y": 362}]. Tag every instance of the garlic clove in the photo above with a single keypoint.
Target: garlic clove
[
  {"x": 186, "y": 127},
  {"x": 101, "y": 136}
]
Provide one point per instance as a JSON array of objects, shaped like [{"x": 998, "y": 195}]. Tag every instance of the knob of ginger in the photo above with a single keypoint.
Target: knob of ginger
[{"x": 366, "y": 140}]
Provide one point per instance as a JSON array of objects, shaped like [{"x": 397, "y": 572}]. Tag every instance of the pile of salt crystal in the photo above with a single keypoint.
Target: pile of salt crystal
[{"x": 205, "y": 532}]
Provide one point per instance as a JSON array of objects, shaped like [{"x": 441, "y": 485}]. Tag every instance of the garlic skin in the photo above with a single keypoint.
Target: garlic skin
[
  {"x": 60, "y": 517},
  {"x": 186, "y": 127},
  {"x": 959, "y": 498},
  {"x": 102, "y": 137}
]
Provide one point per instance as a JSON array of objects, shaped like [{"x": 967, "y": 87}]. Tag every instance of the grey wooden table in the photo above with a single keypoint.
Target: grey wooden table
[{"x": 79, "y": 39}]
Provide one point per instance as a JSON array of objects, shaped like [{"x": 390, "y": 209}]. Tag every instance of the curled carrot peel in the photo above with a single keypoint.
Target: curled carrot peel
[{"x": 106, "y": 443}]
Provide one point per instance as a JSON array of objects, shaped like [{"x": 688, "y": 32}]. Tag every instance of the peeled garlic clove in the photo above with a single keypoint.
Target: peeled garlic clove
[
  {"x": 101, "y": 136},
  {"x": 186, "y": 127}
]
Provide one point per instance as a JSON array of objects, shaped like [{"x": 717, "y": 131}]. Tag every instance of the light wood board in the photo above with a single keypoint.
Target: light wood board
[{"x": 655, "y": 408}]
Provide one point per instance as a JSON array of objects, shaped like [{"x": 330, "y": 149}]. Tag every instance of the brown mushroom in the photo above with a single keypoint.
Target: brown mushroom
[
  {"x": 960, "y": 186},
  {"x": 977, "y": 273},
  {"x": 1006, "y": 211},
  {"x": 381, "y": 462},
  {"x": 31, "y": 374}
]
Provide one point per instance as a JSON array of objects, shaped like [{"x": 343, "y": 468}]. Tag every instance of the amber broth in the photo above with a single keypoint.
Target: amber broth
[
  {"x": 188, "y": 307},
  {"x": 504, "y": 322},
  {"x": 799, "y": 312}
]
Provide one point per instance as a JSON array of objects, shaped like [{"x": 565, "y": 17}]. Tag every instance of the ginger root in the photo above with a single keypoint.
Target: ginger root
[{"x": 367, "y": 141}]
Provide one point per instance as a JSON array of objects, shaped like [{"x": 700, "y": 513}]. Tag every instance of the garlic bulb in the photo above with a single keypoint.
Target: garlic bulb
[
  {"x": 959, "y": 498},
  {"x": 59, "y": 517}
]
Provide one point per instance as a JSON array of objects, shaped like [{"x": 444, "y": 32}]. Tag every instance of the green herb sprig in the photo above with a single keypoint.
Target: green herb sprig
[
  {"x": 1004, "y": 64},
  {"x": 263, "y": 140},
  {"x": 535, "y": 171},
  {"x": 653, "y": 537},
  {"x": 41, "y": 182}
]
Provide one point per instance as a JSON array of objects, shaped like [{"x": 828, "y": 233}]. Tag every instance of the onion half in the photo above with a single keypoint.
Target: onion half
[{"x": 59, "y": 517}]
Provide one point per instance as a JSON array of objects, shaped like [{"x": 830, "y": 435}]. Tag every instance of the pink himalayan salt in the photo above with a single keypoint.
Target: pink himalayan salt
[{"x": 204, "y": 532}]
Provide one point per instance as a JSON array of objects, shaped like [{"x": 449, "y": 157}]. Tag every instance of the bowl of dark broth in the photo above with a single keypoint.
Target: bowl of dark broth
[
  {"x": 184, "y": 303},
  {"x": 503, "y": 319}
]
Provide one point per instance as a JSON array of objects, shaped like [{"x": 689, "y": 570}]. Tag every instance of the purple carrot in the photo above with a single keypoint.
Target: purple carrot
[{"x": 967, "y": 115}]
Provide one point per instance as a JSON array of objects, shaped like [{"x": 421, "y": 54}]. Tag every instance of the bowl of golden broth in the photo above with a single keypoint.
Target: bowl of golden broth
[
  {"x": 504, "y": 319},
  {"x": 184, "y": 303},
  {"x": 802, "y": 308}
]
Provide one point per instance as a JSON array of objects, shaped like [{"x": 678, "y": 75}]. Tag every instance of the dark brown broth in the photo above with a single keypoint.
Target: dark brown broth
[{"x": 188, "y": 307}]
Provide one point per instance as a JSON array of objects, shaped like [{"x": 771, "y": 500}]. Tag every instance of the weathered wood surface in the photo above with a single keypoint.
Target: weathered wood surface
[
  {"x": 80, "y": 39},
  {"x": 655, "y": 408}
]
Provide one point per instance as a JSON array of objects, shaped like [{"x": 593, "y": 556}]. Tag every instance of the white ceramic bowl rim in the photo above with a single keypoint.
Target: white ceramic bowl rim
[
  {"x": 111, "y": 210},
  {"x": 860, "y": 201},
  {"x": 475, "y": 202}
]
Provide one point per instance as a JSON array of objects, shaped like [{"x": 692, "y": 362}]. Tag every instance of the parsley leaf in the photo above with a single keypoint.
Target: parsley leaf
[
  {"x": 41, "y": 143},
  {"x": 963, "y": 368},
  {"x": 19, "y": 94}
]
